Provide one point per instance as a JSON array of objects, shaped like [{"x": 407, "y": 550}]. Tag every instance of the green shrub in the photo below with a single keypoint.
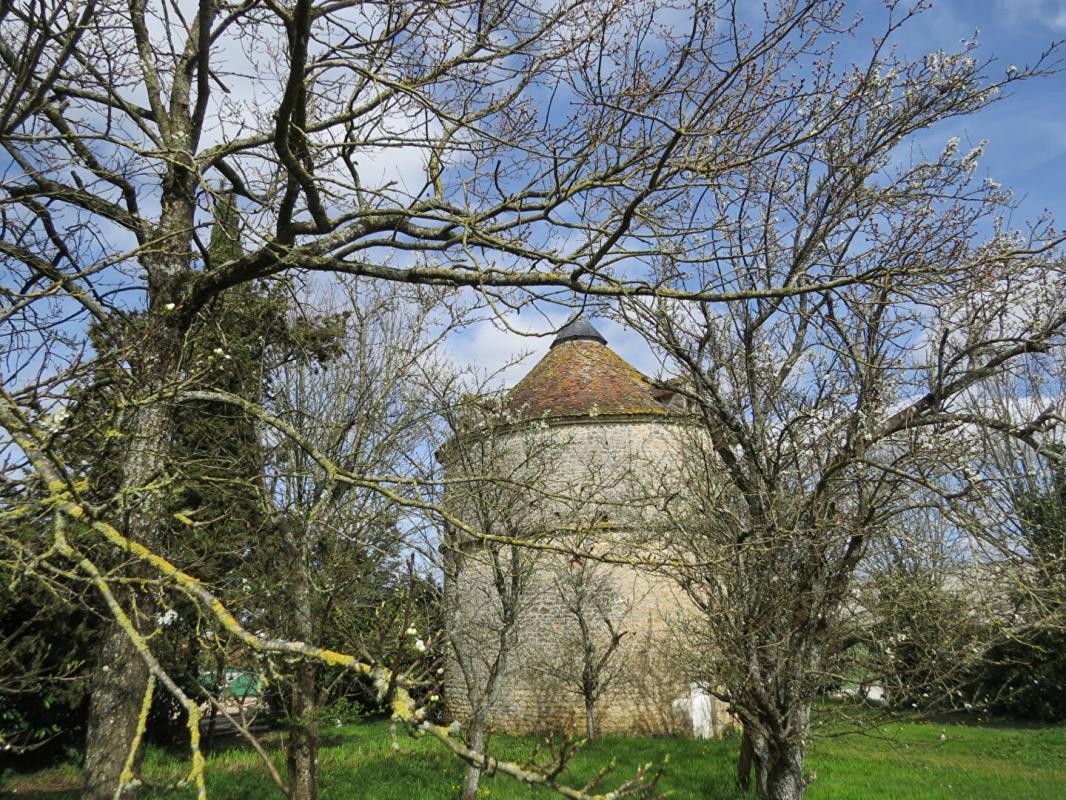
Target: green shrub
[{"x": 1025, "y": 678}]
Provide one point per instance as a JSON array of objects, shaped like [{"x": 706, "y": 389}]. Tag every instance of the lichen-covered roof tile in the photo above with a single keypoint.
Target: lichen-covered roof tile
[{"x": 582, "y": 377}]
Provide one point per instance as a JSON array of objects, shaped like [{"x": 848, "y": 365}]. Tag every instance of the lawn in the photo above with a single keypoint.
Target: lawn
[{"x": 905, "y": 760}]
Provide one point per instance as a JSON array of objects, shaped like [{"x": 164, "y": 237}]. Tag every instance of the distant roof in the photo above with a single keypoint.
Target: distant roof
[{"x": 579, "y": 376}]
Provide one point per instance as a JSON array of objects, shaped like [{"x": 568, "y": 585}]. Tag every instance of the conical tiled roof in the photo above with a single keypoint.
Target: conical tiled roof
[{"x": 581, "y": 376}]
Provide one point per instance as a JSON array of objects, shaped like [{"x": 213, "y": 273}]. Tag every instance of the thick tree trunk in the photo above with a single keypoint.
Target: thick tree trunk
[
  {"x": 118, "y": 686},
  {"x": 476, "y": 741},
  {"x": 121, "y": 675},
  {"x": 590, "y": 719},
  {"x": 780, "y": 756},
  {"x": 784, "y": 772},
  {"x": 120, "y": 679},
  {"x": 750, "y": 749}
]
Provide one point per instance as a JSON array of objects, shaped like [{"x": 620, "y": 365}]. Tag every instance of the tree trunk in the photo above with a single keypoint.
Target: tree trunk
[
  {"x": 590, "y": 718},
  {"x": 302, "y": 743},
  {"x": 121, "y": 676},
  {"x": 118, "y": 686},
  {"x": 475, "y": 741},
  {"x": 784, "y": 772},
  {"x": 751, "y": 755},
  {"x": 745, "y": 762},
  {"x": 782, "y": 754},
  {"x": 217, "y": 688}
]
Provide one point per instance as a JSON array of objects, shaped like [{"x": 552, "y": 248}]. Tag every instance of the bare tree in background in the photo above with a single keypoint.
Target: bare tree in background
[
  {"x": 367, "y": 408},
  {"x": 922, "y": 624},
  {"x": 1020, "y": 464},
  {"x": 560, "y": 149},
  {"x": 493, "y": 482},
  {"x": 824, "y": 419},
  {"x": 597, "y": 614},
  {"x": 1014, "y": 533}
]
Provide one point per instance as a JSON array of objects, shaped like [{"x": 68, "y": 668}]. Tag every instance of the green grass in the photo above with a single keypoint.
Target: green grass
[{"x": 916, "y": 761}]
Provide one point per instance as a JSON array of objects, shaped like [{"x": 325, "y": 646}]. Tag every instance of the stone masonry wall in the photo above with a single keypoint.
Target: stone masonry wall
[{"x": 605, "y": 480}]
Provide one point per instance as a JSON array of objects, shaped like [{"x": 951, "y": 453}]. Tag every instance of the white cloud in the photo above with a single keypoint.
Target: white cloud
[
  {"x": 503, "y": 349},
  {"x": 1050, "y": 13},
  {"x": 506, "y": 352}
]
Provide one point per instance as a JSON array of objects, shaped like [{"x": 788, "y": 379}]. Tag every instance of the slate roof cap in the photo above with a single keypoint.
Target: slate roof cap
[{"x": 578, "y": 329}]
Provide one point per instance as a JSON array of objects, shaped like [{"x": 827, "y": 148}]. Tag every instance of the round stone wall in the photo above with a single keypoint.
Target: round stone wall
[{"x": 567, "y": 487}]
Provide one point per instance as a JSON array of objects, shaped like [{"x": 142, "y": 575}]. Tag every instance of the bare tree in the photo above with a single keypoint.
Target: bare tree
[
  {"x": 921, "y": 626},
  {"x": 493, "y": 483},
  {"x": 822, "y": 420},
  {"x": 366, "y": 408},
  {"x": 590, "y": 596},
  {"x": 482, "y": 643},
  {"x": 1013, "y": 533},
  {"x": 1012, "y": 526},
  {"x": 824, "y": 417}
]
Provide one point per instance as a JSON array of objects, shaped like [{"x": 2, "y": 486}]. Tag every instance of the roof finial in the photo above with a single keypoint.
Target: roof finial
[{"x": 578, "y": 329}]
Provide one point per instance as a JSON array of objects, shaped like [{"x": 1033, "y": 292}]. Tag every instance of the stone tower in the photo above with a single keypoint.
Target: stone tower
[{"x": 583, "y": 452}]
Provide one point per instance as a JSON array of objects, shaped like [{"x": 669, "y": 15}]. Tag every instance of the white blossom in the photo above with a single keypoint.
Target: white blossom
[
  {"x": 167, "y": 618},
  {"x": 969, "y": 161}
]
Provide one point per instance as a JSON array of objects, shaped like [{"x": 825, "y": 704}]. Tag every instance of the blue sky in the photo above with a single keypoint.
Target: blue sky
[
  {"x": 1026, "y": 150},
  {"x": 1026, "y": 131}
]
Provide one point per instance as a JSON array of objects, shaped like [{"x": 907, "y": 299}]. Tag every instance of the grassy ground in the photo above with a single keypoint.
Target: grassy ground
[{"x": 915, "y": 761}]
